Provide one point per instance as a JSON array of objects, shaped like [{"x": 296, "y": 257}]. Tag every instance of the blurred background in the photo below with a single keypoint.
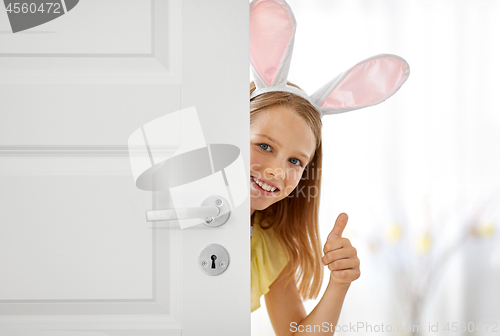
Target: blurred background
[{"x": 418, "y": 175}]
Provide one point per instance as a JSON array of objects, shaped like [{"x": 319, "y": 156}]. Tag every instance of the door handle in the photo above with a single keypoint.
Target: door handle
[
  {"x": 214, "y": 211},
  {"x": 182, "y": 213},
  {"x": 170, "y": 154}
]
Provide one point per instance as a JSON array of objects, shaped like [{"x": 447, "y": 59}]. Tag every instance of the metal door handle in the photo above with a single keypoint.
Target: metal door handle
[
  {"x": 214, "y": 211},
  {"x": 182, "y": 213}
]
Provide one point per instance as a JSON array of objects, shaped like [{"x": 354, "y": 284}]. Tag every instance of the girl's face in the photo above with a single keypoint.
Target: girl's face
[{"x": 281, "y": 146}]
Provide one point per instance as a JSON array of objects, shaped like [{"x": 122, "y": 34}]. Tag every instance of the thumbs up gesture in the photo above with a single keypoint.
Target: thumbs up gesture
[{"x": 340, "y": 256}]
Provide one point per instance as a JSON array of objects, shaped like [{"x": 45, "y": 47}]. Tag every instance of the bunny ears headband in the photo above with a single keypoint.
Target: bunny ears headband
[{"x": 272, "y": 33}]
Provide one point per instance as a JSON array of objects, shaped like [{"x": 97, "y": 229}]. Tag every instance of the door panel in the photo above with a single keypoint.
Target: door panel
[{"x": 76, "y": 253}]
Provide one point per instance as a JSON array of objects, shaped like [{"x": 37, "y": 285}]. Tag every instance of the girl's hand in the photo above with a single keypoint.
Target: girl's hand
[{"x": 340, "y": 256}]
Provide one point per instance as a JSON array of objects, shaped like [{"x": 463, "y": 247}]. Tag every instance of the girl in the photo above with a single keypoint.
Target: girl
[
  {"x": 285, "y": 141},
  {"x": 286, "y": 158}
]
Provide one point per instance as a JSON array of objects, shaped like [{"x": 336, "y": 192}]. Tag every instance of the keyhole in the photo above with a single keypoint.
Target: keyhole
[{"x": 213, "y": 260}]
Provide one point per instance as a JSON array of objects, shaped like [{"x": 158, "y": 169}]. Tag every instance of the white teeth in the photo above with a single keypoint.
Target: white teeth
[{"x": 265, "y": 186}]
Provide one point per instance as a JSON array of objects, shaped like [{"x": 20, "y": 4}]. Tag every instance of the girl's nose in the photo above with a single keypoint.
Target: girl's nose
[{"x": 276, "y": 171}]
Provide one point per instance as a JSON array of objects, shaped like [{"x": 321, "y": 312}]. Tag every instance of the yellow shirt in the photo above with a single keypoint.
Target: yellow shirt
[{"x": 268, "y": 260}]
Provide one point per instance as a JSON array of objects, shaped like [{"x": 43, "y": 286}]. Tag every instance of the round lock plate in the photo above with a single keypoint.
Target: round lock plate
[{"x": 213, "y": 259}]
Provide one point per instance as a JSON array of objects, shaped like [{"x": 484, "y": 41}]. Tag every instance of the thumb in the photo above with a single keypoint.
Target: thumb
[{"x": 339, "y": 227}]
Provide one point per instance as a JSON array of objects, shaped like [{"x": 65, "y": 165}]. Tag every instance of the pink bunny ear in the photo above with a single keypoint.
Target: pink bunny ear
[
  {"x": 368, "y": 83},
  {"x": 272, "y": 31}
]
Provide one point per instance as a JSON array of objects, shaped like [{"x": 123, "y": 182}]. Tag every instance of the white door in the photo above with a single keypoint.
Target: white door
[{"x": 77, "y": 256}]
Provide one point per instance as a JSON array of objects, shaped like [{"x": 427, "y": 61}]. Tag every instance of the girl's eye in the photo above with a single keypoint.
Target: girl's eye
[
  {"x": 265, "y": 146},
  {"x": 262, "y": 145},
  {"x": 299, "y": 163}
]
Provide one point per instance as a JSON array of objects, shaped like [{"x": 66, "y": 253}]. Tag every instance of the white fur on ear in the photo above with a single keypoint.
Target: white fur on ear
[
  {"x": 272, "y": 32},
  {"x": 368, "y": 83}
]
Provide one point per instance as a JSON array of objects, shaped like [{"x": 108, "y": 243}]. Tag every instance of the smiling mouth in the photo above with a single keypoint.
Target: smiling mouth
[{"x": 262, "y": 186}]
